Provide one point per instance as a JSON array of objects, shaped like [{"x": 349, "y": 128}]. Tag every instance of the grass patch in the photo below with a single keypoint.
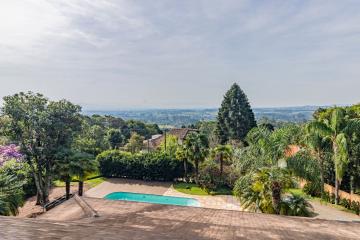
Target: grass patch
[
  {"x": 92, "y": 182},
  {"x": 58, "y": 183},
  {"x": 298, "y": 192},
  {"x": 190, "y": 188},
  {"x": 95, "y": 181},
  {"x": 193, "y": 189}
]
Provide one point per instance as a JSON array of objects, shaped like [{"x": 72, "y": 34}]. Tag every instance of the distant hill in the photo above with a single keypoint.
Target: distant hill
[{"x": 179, "y": 117}]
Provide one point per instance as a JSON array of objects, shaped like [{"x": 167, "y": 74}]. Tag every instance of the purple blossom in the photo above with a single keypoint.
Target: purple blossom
[{"x": 9, "y": 152}]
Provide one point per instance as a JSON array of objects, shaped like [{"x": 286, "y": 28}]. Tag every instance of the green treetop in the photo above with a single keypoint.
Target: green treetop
[{"x": 235, "y": 117}]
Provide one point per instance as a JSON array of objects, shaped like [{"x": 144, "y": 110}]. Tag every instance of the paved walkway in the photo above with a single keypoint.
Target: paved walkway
[
  {"x": 160, "y": 188},
  {"x": 325, "y": 211},
  {"x": 140, "y": 221}
]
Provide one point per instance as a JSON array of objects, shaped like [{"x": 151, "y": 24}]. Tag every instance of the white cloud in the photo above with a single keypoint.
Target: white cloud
[{"x": 114, "y": 49}]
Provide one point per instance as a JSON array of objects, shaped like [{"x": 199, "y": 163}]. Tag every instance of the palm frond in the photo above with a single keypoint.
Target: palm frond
[{"x": 320, "y": 128}]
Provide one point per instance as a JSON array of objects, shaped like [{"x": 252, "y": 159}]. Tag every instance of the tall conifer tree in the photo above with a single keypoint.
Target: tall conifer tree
[{"x": 235, "y": 117}]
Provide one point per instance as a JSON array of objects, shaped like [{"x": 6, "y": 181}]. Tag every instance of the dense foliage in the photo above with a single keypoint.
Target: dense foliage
[
  {"x": 146, "y": 166},
  {"x": 46, "y": 140},
  {"x": 41, "y": 128}
]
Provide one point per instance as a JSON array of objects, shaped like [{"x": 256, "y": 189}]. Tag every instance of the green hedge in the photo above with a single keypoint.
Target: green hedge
[{"x": 147, "y": 166}]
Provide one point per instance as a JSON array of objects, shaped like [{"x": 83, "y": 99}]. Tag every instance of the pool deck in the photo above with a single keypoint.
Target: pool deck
[{"x": 161, "y": 188}]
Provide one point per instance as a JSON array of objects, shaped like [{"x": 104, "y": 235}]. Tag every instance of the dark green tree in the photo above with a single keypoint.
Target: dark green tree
[
  {"x": 41, "y": 128},
  {"x": 115, "y": 138},
  {"x": 235, "y": 117}
]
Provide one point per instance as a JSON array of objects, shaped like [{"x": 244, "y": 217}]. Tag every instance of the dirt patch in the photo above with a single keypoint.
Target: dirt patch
[{"x": 31, "y": 210}]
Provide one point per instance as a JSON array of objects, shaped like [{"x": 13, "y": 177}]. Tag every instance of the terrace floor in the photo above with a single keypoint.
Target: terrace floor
[{"x": 139, "y": 221}]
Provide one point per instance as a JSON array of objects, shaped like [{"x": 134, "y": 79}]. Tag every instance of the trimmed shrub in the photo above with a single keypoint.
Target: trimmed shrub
[{"x": 147, "y": 166}]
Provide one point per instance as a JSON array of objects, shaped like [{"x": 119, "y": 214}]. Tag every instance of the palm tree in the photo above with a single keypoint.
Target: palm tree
[
  {"x": 181, "y": 156},
  {"x": 262, "y": 190},
  {"x": 63, "y": 169},
  {"x": 318, "y": 145},
  {"x": 196, "y": 146},
  {"x": 337, "y": 129},
  {"x": 223, "y": 153},
  {"x": 82, "y": 165},
  {"x": 263, "y": 176}
]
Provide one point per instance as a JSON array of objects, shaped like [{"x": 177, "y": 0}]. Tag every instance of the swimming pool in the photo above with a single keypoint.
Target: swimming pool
[{"x": 151, "y": 198}]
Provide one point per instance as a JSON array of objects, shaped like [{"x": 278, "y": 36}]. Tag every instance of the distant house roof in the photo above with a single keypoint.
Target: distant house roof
[
  {"x": 180, "y": 133},
  {"x": 292, "y": 150}
]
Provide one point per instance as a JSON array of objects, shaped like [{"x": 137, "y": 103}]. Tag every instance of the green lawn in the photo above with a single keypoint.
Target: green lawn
[
  {"x": 91, "y": 183},
  {"x": 299, "y": 192},
  {"x": 193, "y": 189},
  {"x": 95, "y": 181}
]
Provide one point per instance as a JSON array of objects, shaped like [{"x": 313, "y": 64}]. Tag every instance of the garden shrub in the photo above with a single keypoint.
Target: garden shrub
[
  {"x": 23, "y": 173},
  {"x": 312, "y": 189},
  {"x": 209, "y": 176},
  {"x": 355, "y": 206},
  {"x": 147, "y": 166},
  {"x": 345, "y": 203},
  {"x": 296, "y": 205}
]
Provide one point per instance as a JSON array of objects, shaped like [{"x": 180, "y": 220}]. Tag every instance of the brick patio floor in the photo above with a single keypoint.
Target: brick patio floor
[{"x": 131, "y": 220}]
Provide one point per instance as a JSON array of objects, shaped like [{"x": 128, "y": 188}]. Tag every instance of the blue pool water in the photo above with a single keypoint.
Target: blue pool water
[{"x": 151, "y": 198}]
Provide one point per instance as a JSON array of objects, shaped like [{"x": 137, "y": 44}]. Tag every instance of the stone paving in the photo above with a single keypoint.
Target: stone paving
[
  {"x": 160, "y": 188},
  {"x": 139, "y": 221}
]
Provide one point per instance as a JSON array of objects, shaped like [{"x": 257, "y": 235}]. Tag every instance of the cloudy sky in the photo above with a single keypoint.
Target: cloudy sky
[{"x": 116, "y": 54}]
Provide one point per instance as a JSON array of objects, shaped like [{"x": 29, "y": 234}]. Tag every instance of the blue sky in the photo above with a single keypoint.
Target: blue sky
[{"x": 115, "y": 54}]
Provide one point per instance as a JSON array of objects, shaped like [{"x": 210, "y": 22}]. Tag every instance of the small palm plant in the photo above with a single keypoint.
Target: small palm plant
[
  {"x": 296, "y": 205},
  {"x": 11, "y": 195}
]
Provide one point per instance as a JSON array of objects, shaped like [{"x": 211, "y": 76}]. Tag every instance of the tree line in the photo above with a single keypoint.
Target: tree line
[{"x": 255, "y": 160}]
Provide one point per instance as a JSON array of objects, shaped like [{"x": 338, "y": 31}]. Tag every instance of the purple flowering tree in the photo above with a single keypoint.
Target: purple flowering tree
[{"x": 9, "y": 152}]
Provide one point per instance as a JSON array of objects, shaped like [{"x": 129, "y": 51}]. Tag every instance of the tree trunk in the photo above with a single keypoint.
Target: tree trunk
[
  {"x": 351, "y": 184},
  {"x": 276, "y": 196},
  {"x": 42, "y": 190},
  {"x": 81, "y": 188},
  {"x": 38, "y": 198},
  {"x": 336, "y": 191},
  {"x": 322, "y": 181},
  {"x": 335, "y": 149},
  {"x": 67, "y": 188},
  {"x": 196, "y": 171},
  {"x": 221, "y": 160},
  {"x": 185, "y": 169}
]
